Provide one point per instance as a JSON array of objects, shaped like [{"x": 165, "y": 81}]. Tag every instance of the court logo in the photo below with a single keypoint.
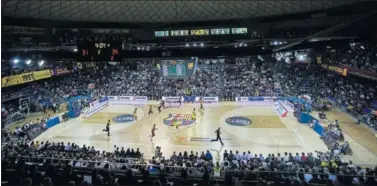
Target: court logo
[
  {"x": 182, "y": 119},
  {"x": 238, "y": 121},
  {"x": 123, "y": 118}
]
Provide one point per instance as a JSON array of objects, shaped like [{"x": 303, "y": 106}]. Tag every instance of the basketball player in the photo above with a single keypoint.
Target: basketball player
[
  {"x": 193, "y": 115},
  {"x": 163, "y": 104},
  {"x": 159, "y": 108},
  {"x": 201, "y": 109},
  {"x": 107, "y": 128},
  {"x": 218, "y": 137},
  {"x": 135, "y": 116},
  {"x": 152, "y": 131},
  {"x": 150, "y": 110},
  {"x": 175, "y": 123}
]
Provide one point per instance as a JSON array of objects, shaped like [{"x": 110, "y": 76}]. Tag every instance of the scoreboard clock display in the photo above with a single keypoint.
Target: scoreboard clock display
[
  {"x": 99, "y": 51},
  {"x": 200, "y": 32},
  {"x": 177, "y": 67}
]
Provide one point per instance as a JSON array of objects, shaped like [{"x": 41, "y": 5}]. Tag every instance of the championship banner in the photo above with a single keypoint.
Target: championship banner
[
  {"x": 9, "y": 81},
  {"x": 43, "y": 74},
  {"x": 25, "y": 78}
]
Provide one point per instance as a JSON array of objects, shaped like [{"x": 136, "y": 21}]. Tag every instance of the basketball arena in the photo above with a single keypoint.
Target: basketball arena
[{"x": 262, "y": 127}]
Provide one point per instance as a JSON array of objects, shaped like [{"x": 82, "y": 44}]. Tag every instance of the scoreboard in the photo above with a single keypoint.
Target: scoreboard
[
  {"x": 99, "y": 51},
  {"x": 177, "y": 67}
]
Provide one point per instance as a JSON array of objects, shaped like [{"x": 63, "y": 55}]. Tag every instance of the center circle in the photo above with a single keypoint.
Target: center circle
[
  {"x": 238, "y": 121},
  {"x": 181, "y": 119}
]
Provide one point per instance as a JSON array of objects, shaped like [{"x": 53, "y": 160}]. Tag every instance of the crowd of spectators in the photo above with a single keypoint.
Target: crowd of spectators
[
  {"x": 357, "y": 55},
  {"x": 50, "y": 163},
  {"x": 226, "y": 78}
]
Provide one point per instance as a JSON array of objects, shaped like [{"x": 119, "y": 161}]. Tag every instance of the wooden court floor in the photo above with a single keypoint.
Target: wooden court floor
[{"x": 256, "y": 128}]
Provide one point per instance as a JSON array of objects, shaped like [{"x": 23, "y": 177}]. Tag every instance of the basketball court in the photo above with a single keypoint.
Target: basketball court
[{"x": 253, "y": 126}]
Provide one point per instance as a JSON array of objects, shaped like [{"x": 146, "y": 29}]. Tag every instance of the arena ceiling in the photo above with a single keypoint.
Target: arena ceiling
[{"x": 161, "y": 11}]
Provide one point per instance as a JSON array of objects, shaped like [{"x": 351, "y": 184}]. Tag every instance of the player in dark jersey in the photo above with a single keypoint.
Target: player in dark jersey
[
  {"x": 201, "y": 109},
  {"x": 107, "y": 128},
  {"x": 150, "y": 110},
  {"x": 135, "y": 114},
  {"x": 218, "y": 137},
  {"x": 153, "y": 132}
]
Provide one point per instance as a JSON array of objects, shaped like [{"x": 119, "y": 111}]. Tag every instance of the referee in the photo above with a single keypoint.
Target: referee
[
  {"x": 218, "y": 137},
  {"x": 107, "y": 128}
]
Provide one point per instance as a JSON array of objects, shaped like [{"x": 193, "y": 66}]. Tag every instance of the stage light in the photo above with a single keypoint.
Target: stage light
[
  {"x": 245, "y": 45},
  {"x": 301, "y": 57},
  {"x": 75, "y": 50},
  {"x": 138, "y": 48},
  {"x": 194, "y": 44},
  {"x": 148, "y": 48},
  {"x": 15, "y": 61},
  {"x": 201, "y": 44},
  {"x": 28, "y": 62},
  {"x": 187, "y": 45},
  {"x": 41, "y": 62}
]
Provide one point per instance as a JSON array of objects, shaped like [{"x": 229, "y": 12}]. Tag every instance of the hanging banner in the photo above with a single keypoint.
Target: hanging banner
[
  {"x": 340, "y": 70},
  {"x": 60, "y": 71},
  {"x": 43, "y": 74},
  {"x": 24, "y": 78}
]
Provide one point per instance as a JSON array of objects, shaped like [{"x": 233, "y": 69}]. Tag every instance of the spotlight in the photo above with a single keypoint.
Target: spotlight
[
  {"x": 280, "y": 43},
  {"x": 15, "y": 61},
  {"x": 194, "y": 44},
  {"x": 138, "y": 48},
  {"x": 75, "y": 50},
  {"x": 240, "y": 44},
  {"x": 40, "y": 63},
  {"x": 28, "y": 62},
  {"x": 235, "y": 46},
  {"x": 148, "y": 48},
  {"x": 142, "y": 48},
  {"x": 201, "y": 44},
  {"x": 187, "y": 45},
  {"x": 245, "y": 45}
]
